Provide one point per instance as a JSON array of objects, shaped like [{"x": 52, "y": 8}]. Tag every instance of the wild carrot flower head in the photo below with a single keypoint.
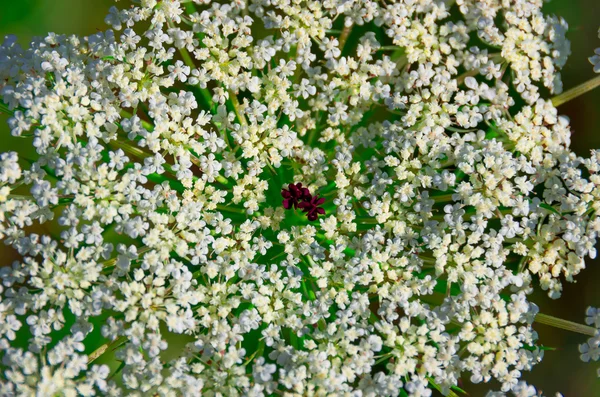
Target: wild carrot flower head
[{"x": 160, "y": 146}]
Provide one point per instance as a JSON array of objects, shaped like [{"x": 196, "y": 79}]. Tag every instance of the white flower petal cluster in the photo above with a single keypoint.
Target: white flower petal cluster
[
  {"x": 160, "y": 148},
  {"x": 521, "y": 389},
  {"x": 590, "y": 350},
  {"x": 595, "y": 59}
]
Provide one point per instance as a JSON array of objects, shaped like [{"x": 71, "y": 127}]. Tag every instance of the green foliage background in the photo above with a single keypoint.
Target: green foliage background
[{"x": 561, "y": 370}]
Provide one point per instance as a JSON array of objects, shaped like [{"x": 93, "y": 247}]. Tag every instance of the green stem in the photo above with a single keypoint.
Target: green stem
[
  {"x": 236, "y": 106},
  {"x": 461, "y": 79},
  {"x": 576, "y": 91},
  {"x": 564, "y": 324},
  {"x": 438, "y": 388},
  {"x": 311, "y": 136},
  {"x": 137, "y": 152},
  {"x": 187, "y": 59},
  {"x": 258, "y": 352},
  {"x": 443, "y": 198},
  {"x": 102, "y": 349},
  {"x": 147, "y": 125},
  {"x": 272, "y": 169},
  {"x": 383, "y": 358},
  {"x": 308, "y": 293},
  {"x": 231, "y": 209},
  {"x": 388, "y": 48},
  {"x": 367, "y": 220},
  {"x": 98, "y": 352},
  {"x": 496, "y": 57},
  {"x": 20, "y": 197},
  {"x": 344, "y": 36},
  {"x": 5, "y": 109}
]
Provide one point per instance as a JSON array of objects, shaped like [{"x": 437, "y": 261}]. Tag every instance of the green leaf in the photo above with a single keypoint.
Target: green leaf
[{"x": 117, "y": 370}]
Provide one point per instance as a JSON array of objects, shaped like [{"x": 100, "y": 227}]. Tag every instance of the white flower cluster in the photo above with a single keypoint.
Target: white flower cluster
[
  {"x": 522, "y": 389},
  {"x": 150, "y": 220},
  {"x": 595, "y": 59},
  {"x": 591, "y": 349}
]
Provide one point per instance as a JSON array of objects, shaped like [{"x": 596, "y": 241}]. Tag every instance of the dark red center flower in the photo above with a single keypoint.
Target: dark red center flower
[
  {"x": 311, "y": 207},
  {"x": 294, "y": 196},
  {"x": 298, "y": 197}
]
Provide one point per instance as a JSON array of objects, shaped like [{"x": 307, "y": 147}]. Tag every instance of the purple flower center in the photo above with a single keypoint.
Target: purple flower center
[
  {"x": 311, "y": 207},
  {"x": 294, "y": 196},
  {"x": 298, "y": 197}
]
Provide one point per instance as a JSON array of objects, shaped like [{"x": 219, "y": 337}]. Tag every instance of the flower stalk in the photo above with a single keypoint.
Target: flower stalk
[
  {"x": 237, "y": 108},
  {"x": 576, "y": 91},
  {"x": 419, "y": 207},
  {"x": 344, "y": 36},
  {"x": 187, "y": 59},
  {"x": 556, "y": 322}
]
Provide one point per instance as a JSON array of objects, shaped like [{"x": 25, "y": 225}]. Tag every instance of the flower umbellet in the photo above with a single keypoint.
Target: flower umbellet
[
  {"x": 157, "y": 149},
  {"x": 311, "y": 206},
  {"x": 294, "y": 195}
]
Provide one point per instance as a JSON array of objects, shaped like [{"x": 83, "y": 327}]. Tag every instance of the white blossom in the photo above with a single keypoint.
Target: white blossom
[{"x": 152, "y": 208}]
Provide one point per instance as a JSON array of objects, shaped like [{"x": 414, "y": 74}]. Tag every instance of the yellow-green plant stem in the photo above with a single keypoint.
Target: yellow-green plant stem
[
  {"x": 5, "y": 109},
  {"x": 141, "y": 154},
  {"x": 576, "y": 91},
  {"x": 344, "y": 36},
  {"x": 98, "y": 352},
  {"x": 438, "y": 388},
  {"x": 496, "y": 57},
  {"x": 235, "y": 210},
  {"x": 389, "y": 48},
  {"x": 187, "y": 59},
  {"x": 237, "y": 107},
  {"x": 541, "y": 318},
  {"x": 129, "y": 149},
  {"x": 112, "y": 261},
  {"x": 147, "y": 125},
  {"x": 20, "y": 197},
  {"x": 102, "y": 349}
]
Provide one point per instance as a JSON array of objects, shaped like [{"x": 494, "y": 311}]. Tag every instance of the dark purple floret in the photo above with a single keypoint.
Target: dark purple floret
[
  {"x": 312, "y": 207},
  {"x": 298, "y": 197},
  {"x": 294, "y": 196}
]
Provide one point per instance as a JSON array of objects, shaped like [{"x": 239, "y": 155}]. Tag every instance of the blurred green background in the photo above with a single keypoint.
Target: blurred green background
[{"x": 561, "y": 370}]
